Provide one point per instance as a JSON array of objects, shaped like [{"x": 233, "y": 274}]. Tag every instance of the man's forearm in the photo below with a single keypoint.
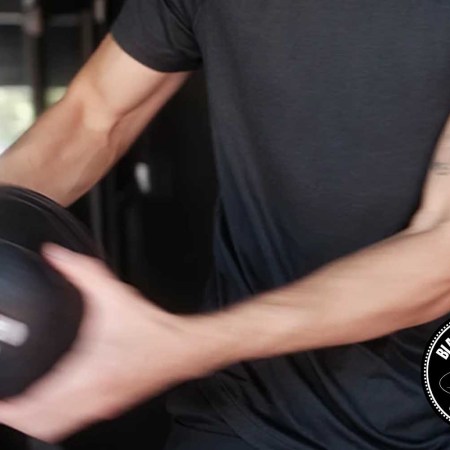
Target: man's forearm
[
  {"x": 51, "y": 157},
  {"x": 396, "y": 284},
  {"x": 69, "y": 149},
  {"x": 77, "y": 141}
]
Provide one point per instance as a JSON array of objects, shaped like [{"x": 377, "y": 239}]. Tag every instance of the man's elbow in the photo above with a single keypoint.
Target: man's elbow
[{"x": 434, "y": 301}]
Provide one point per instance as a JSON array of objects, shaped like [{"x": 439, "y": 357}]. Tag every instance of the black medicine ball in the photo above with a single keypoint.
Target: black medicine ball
[{"x": 40, "y": 311}]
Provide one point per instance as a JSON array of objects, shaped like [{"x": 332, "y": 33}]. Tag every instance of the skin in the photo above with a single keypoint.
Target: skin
[
  {"x": 435, "y": 206},
  {"x": 129, "y": 349},
  {"x": 75, "y": 143}
]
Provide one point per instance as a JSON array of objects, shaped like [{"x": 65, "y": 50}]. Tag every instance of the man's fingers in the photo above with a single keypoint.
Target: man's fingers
[{"x": 85, "y": 272}]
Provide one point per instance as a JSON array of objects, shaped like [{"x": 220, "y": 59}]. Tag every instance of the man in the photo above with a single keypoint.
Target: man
[{"x": 326, "y": 115}]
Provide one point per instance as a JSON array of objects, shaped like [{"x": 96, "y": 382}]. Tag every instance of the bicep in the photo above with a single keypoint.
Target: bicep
[{"x": 114, "y": 85}]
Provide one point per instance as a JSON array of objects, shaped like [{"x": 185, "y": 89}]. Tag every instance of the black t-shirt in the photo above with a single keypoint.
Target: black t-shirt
[{"x": 325, "y": 115}]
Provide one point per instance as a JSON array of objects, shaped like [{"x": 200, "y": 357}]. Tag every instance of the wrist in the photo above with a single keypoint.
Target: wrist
[{"x": 212, "y": 342}]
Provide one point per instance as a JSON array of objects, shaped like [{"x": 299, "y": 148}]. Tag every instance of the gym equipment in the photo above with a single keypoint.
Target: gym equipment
[{"x": 40, "y": 311}]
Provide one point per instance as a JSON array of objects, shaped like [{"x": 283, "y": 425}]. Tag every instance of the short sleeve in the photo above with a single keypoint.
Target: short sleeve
[{"x": 159, "y": 34}]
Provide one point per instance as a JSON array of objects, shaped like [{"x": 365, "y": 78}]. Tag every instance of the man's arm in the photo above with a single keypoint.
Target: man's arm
[
  {"x": 401, "y": 282},
  {"x": 435, "y": 206},
  {"x": 75, "y": 143},
  {"x": 398, "y": 283}
]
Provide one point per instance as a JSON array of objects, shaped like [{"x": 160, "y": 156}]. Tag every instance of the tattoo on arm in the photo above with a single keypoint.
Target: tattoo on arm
[{"x": 440, "y": 168}]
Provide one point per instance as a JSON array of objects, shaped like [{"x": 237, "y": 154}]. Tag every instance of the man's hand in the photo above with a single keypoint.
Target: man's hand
[{"x": 128, "y": 350}]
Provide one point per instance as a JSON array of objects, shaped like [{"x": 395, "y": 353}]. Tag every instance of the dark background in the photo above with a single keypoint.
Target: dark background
[{"x": 159, "y": 241}]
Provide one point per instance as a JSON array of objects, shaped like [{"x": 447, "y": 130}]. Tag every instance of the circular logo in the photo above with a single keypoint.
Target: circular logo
[{"x": 436, "y": 371}]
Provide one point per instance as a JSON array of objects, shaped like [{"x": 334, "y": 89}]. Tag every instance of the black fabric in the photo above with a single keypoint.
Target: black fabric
[
  {"x": 158, "y": 33},
  {"x": 188, "y": 404},
  {"x": 325, "y": 115},
  {"x": 12, "y": 440},
  {"x": 184, "y": 438}
]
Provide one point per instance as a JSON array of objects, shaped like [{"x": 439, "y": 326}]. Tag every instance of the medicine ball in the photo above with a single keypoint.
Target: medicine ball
[{"x": 40, "y": 311}]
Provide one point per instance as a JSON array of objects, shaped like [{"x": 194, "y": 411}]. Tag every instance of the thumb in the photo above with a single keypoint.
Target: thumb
[{"x": 87, "y": 273}]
